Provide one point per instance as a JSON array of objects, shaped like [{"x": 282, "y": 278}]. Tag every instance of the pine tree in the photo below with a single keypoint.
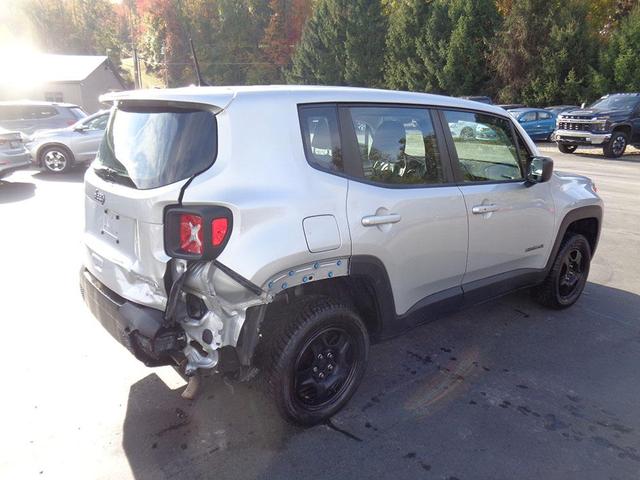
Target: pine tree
[
  {"x": 432, "y": 45},
  {"x": 319, "y": 57},
  {"x": 466, "y": 70},
  {"x": 619, "y": 62},
  {"x": 540, "y": 44},
  {"x": 403, "y": 68},
  {"x": 342, "y": 44},
  {"x": 364, "y": 45}
]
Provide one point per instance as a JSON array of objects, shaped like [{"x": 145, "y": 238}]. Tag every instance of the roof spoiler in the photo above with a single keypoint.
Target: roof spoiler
[{"x": 215, "y": 102}]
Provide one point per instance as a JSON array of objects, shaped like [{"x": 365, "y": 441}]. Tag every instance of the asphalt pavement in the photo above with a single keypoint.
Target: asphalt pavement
[{"x": 504, "y": 390}]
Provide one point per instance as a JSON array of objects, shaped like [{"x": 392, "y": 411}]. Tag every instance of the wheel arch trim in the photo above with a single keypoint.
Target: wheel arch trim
[{"x": 580, "y": 213}]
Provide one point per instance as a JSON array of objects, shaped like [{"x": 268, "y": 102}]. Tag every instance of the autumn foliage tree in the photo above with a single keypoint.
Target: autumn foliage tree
[{"x": 528, "y": 51}]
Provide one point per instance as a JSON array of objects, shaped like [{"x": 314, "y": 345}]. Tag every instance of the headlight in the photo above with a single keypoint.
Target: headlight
[{"x": 601, "y": 124}]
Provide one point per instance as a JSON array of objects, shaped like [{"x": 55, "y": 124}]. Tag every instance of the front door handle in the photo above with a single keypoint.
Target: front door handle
[
  {"x": 479, "y": 209},
  {"x": 373, "y": 220}
]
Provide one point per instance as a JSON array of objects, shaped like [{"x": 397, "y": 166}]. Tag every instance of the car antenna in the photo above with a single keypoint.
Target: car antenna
[{"x": 201, "y": 82}]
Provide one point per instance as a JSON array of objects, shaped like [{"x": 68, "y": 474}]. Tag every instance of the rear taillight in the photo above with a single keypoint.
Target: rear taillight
[
  {"x": 197, "y": 232},
  {"x": 191, "y": 234},
  {"x": 219, "y": 227}
]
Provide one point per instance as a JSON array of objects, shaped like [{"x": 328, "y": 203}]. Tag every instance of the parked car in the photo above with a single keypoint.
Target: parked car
[
  {"x": 537, "y": 122},
  {"x": 13, "y": 154},
  {"x": 481, "y": 99},
  {"x": 58, "y": 150},
  {"x": 465, "y": 130},
  {"x": 612, "y": 123},
  {"x": 28, "y": 116},
  {"x": 511, "y": 106},
  {"x": 558, "y": 109},
  {"x": 245, "y": 228}
]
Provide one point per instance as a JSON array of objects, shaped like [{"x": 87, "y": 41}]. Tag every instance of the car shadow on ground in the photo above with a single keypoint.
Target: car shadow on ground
[
  {"x": 462, "y": 372},
  {"x": 76, "y": 175},
  {"x": 627, "y": 157},
  {"x": 594, "y": 153},
  {"x": 15, "y": 191}
]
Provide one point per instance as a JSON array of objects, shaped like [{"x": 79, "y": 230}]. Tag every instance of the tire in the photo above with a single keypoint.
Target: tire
[
  {"x": 616, "y": 146},
  {"x": 315, "y": 356},
  {"x": 56, "y": 159},
  {"x": 568, "y": 275},
  {"x": 567, "y": 148}
]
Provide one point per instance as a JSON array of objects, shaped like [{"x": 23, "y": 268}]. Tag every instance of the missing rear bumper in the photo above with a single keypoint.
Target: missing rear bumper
[{"x": 138, "y": 328}]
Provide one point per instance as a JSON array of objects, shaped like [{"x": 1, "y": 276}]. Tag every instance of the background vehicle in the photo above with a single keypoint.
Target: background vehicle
[
  {"x": 481, "y": 99},
  {"x": 13, "y": 154},
  {"x": 558, "y": 109},
  {"x": 59, "y": 150},
  {"x": 247, "y": 227},
  {"x": 612, "y": 122},
  {"x": 28, "y": 116},
  {"x": 511, "y": 106},
  {"x": 537, "y": 122}
]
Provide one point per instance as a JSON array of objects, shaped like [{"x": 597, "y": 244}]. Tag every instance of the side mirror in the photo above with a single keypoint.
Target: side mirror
[
  {"x": 539, "y": 170},
  {"x": 81, "y": 128},
  {"x": 583, "y": 104}
]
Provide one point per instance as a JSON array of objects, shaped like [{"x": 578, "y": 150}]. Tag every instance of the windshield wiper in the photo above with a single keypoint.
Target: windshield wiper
[{"x": 114, "y": 176}]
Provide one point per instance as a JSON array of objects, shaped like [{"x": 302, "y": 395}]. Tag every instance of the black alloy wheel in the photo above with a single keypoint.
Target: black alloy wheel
[
  {"x": 571, "y": 273},
  {"x": 314, "y": 353},
  {"x": 616, "y": 146},
  {"x": 568, "y": 275},
  {"x": 324, "y": 366}
]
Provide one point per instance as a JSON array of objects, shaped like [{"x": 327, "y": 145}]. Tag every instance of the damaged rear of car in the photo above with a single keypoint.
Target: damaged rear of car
[
  {"x": 191, "y": 231},
  {"x": 144, "y": 248}
]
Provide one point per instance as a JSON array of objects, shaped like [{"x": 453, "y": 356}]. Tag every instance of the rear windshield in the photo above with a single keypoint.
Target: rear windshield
[{"x": 150, "y": 147}]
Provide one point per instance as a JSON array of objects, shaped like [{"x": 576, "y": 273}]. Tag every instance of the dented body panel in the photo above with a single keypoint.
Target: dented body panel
[{"x": 291, "y": 221}]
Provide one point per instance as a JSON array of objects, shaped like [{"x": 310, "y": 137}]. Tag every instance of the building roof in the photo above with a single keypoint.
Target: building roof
[{"x": 67, "y": 68}]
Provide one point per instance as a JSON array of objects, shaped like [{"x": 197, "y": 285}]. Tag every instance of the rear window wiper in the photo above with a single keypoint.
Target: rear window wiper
[{"x": 114, "y": 176}]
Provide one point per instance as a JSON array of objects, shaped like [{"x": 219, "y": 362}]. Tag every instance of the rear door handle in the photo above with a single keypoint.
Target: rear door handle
[
  {"x": 373, "y": 220},
  {"x": 479, "y": 209}
]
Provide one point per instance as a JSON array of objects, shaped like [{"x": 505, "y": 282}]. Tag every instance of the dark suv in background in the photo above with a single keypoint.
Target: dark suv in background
[
  {"x": 28, "y": 116},
  {"x": 612, "y": 122}
]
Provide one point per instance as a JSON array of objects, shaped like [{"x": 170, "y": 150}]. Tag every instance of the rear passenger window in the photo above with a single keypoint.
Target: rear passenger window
[
  {"x": 321, "y": 137},
  {"x": 397, "y": 145},
  {"x": 485, "y": 147}
]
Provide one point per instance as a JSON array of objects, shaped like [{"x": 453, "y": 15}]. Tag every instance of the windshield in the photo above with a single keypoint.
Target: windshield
[
  {"x": 616, "y": 102},
  {"x": 148, "y": 147},
  {"x": 78, "y": 112}
]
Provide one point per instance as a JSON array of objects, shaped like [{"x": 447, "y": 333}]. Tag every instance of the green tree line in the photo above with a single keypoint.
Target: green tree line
[{"x": 537, "y": 52}]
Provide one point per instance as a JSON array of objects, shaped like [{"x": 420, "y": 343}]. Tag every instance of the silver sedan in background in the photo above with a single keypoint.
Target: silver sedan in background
[{"x": 59, "y": 150}]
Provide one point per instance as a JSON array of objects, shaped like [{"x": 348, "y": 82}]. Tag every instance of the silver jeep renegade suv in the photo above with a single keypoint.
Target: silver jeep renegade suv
[{"x": 281, "y": 229}]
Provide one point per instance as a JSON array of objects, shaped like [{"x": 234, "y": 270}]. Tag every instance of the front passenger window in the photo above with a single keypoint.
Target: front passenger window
[{"x": 487, "y": 152}]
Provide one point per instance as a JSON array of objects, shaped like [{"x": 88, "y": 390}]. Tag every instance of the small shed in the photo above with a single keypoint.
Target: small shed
[{"x": 78, "y": 79}]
